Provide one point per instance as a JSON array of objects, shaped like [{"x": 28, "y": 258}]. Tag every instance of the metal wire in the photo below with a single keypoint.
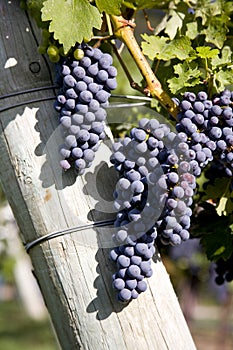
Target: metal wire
[
  {"x": 16, "y": 93},
  {"x": 65, "y": 231},
  {"x": 113, "y": 105},
  {"x": 6, "y": 108}
]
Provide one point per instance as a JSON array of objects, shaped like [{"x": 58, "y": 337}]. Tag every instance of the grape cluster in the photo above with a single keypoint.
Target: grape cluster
[
  {"x": 224, "y": 270},
  {"x": 208, "y": 126},
  {"x": 87, "y": 82},
  {"x": 153, "y": 197},
  {"x": 134, "y": 263}
]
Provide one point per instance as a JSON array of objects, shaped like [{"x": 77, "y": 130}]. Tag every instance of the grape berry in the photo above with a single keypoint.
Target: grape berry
[{"x": 224, "y": 270}]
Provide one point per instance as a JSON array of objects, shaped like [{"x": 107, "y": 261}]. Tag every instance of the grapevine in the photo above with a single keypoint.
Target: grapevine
[{"x": 165, "y": 172}]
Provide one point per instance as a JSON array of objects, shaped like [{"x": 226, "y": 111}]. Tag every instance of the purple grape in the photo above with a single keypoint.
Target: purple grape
[
  {"x": 69, "y": 81},
  {"x": 124, "y": 295},
  {"x": 102, "y": 96},
  {"x": 79, "y": 72},
  {"x": 102, "y": 76},
  {"x": 85, "y": 96},
  {"x": 80, "y": 86},
  {"x": 65, "y": 70},
  {"x": 65, "y": 122},
  {"x": 131, "y": 284},
  {"x": 70, "y": 104},
  {"x": 123, "y": 261},
  {"x": 134, "y": 271},
  {"x": 92, "y": 70},
  {"x": 141, "y": 286},
  {"x": 119, "y": 284},
  {"x": 85, "y": 62},
  {"x": 111, "y": 84},
  {"x": 65, "y": 164},
  {"x": 185, "y": 105},
  {"x": 105, "y": 61}
]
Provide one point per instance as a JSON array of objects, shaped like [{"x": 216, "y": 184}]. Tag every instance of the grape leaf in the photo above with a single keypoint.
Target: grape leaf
[
  {"x": 192, "y": 30},
  {"x": 220, "y": 193},
  {"x": 214, "y": 231},
  {"x": 187, "y": 77},
  {"x": 206, "y": 9},
  {"x": 229, "y": 206},
  {"x": 224, "y": 78},
  {"x": 162, "y": 49},
  {"x": 111, "y": 7},
  {"x": 179, "y": 48},
  {"x": 68, "y": 21},
  {"x": 225, "y": 205},
  {"x": 206, "y": 52},
  {"x": 218, "y": 243},
  {"x": 216, "y": 30},
  {"x": 153, "y": 45},
  {"x": 216, "y": 190},
  {"x": 35, "y": 6},
  {"x": 147, "y": 4},
  {"x": 221, "y": 206},
  {"x": 174, "y": 23},
  {"x": 225, "y": 58}
]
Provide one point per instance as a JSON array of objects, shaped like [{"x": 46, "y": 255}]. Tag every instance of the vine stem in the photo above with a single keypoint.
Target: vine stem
[{"x": 125, "y": 32}]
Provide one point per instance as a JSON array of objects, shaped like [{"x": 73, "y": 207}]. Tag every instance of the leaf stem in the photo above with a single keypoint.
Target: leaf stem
[
  {"x": 133, "y": 84},
  {"x": 125, "y": 32}
]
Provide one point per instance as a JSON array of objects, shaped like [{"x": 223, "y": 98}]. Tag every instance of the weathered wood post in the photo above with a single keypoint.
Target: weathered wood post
[{"x": 73, "y": 273}]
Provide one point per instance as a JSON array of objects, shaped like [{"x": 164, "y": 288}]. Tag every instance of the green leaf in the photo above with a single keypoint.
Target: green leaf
[
  {"x": 224, "y": 78},
  {"x": 216, "y": 190},
  {"x": 147, "y": 4},
  {"x": 68, "y": 21},
  {"x": 192, "y": 30},
  {"x": 229, "y": 206},
  {"x": 174, "y": 23},
  {"x": 181, "y": 48},
  {"x": 217, "y": 29},
  {"x": 228, "y": 8},
  {"x": 218, "y": 243},
  {"x": 206, "y": 9},
  {"x": 160, "y": 48},
  {"x": 188, "y": 76},
  {"x": 220, "y": 193},
  {"x": 221, "y": 206},
  {"x": 112, "y": 7},
  {"x": 35, "y": 5},
  {"x": 206, "y": 52},
  {"x": 215, "y": 232},
  {"x": 153, "y": 45},
  {"x": 225, "y": 59}
]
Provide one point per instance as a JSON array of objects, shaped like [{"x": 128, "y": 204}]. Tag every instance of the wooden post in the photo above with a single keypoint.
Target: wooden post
[{"x": 73, "y": 271}]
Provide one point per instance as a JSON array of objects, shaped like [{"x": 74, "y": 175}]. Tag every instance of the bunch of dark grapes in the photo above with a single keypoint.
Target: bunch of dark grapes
[
  {"x": 208, "y": 126},
  {"x": 153, "y": 198},
  {"x": 86, "y": 87},
  {"x": 224, "y": 270}
]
